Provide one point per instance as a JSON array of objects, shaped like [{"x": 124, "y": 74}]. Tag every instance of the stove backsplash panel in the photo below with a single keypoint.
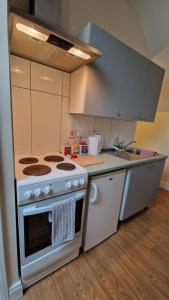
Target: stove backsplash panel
[{"x": 41, "y": 122}]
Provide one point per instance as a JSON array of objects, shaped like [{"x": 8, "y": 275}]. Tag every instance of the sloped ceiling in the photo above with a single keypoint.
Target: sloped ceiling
[{"x": 154, "y": 19}]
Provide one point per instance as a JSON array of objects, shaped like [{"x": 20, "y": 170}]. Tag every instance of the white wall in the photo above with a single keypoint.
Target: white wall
[
  {"x": 153, "y": 15},
  {"x": 115, "y": 16}
]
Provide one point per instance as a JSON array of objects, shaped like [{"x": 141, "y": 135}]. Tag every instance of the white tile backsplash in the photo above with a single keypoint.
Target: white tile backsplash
[
  {"x": 84, "y": 125},
  {"x": 103, "y": 127},
  {"x": 124, "y": 130},
  {"x": 46, "y": 112}
]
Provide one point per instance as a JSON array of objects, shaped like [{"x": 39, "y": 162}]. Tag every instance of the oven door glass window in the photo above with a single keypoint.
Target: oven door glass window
[
  {"x": 78, "y": 215},
  {"x": 38, "y": 231}
]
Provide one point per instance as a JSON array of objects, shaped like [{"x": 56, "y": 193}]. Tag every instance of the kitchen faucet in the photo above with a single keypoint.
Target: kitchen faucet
[
  {"x": 129, "y": 143},
  {"x": 121, "y": 146}
]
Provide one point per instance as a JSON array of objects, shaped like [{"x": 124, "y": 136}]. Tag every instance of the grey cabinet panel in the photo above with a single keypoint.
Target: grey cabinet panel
[
  {"x": 140, "y": 189},
  {"x": 22, "y": 4},
  {"x": 106, "y": 74},
  {"x": 121, "y": 83},
  {"x": 152, "y": 92},
  {"x": 135, "y": 79}
]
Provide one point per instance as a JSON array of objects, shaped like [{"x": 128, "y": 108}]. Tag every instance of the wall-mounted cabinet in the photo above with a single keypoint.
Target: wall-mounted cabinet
[
  {"x": 120, "y": 84},
  {"x": 46, "y": 79},
  {"x": 20, "y": 72},
  {"x": 21, "y": 108},
  {"x": 46, "y": 117}
]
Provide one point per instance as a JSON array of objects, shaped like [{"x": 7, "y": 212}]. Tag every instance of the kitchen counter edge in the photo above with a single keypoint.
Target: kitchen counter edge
[{"x": 113, "y": 163}]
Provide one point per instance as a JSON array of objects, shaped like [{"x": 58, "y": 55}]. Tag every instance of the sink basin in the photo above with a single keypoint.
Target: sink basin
[
  {"x": 128, "y": 155},
  {"x": 134, "y": 154},
  {"x": 133, "y": 150}
]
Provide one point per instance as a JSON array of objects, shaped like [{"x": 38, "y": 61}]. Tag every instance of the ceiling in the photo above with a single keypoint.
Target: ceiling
[{"x": 154, "y": 19}]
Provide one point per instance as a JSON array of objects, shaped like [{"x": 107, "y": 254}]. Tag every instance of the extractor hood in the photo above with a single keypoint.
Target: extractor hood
[{"x": 34, "y": 39}]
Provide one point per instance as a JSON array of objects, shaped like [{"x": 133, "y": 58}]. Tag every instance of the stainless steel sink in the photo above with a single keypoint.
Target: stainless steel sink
[
  {"x": 128, "y": 154},
  {"x": 133, "y": 150}
]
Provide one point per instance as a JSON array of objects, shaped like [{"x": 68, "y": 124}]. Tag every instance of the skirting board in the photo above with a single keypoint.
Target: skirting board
[
  {"x": 164, "y": 185},
  {"x": 16, "y": 291}
]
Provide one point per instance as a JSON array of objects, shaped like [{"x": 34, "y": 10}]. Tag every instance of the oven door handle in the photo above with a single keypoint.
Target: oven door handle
[{"x": 33, "y": 210}]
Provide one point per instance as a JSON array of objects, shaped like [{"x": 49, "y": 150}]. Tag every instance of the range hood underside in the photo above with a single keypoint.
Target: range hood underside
[{"x": 24, "y": 45}]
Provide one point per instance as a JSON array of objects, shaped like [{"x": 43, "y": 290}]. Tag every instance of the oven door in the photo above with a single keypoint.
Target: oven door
[{"x": 35, "y": 228}]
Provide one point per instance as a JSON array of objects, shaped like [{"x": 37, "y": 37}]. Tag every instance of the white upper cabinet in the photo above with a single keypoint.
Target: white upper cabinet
[
  {"x": 120, "y": 84},
  {"x": 46, "y": 118},
  {"x": 20, "y": 72},
  {"x": 45, "y": 79},
  {"x": 21, "y": 109}
]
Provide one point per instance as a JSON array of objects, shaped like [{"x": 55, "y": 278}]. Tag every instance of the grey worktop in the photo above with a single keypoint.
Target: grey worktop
[{"x": 113, "y": 163}]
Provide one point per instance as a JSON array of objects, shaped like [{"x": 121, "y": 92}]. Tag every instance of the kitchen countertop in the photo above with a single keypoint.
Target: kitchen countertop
[{"x": 113, "y": 163}]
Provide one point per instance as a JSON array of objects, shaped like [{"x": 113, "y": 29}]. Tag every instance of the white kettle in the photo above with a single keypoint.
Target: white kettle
[{"x": 95, "y": 144}]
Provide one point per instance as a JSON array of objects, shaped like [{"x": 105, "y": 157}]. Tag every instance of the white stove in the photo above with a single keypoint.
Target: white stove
[
  {"x": 44, "y": 182},
  {"x": 35, "y": 187}
]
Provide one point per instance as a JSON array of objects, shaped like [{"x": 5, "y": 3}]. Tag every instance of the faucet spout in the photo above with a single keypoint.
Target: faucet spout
[{"x": 128, "y": 144}]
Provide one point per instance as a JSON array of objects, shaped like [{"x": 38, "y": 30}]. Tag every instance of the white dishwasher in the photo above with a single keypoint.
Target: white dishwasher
[{"x": 103, "y": 207}]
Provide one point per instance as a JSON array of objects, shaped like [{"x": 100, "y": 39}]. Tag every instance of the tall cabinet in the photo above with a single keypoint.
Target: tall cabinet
[{"x": 120, "y": 84}]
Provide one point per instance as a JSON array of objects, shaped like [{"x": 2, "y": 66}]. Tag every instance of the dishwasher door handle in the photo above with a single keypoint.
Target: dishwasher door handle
[{"x": 95, "y": 193}]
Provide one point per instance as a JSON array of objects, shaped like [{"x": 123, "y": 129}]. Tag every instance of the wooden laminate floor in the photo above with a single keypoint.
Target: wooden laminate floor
[{"x": 132, "y": 264}]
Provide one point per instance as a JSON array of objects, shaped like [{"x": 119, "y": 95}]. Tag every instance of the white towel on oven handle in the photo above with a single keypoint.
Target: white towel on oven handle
[{"x": 63, "y": 221}]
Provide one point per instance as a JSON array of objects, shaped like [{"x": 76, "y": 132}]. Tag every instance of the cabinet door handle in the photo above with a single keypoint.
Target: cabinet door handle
[
  {"x": 141, "y": 118},
  {"x": 151, "y": 167},
  {"x": 95, "y": 193}
]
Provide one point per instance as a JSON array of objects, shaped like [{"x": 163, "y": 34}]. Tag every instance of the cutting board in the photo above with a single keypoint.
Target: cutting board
[{"x": 87, "y": 160}]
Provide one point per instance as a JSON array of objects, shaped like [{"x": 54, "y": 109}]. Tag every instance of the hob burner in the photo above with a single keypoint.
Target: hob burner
[
  {"x": 66, "y": 166},
  {"x": 53, "y": 158},
  {"x": 37, "y": 170},
  {"x": 28, "y": 160}
]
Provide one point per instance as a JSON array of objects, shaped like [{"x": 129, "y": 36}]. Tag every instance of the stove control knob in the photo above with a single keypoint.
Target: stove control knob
[
  {"x": 37, "y": 192},
  {"x": 82, "y": 181},
  {"x": 27, "y": 195},
  {"x": 47, "y": 189},
  {"x": 68, "y": 185},
  {"x": 75, "y": 183}
]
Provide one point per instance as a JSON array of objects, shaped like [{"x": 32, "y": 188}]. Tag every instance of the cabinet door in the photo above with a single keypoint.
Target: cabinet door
[
  {"x": 134, "y": 84},
  {"x": 140, "y": 188},
  {"x": 46, "y": 115},
  {"x": 20, "y": 72},
  {"x": 103, "y": 208},
  {"x": 46, "y": 79},
  {"x": 21, "y": 111},
  {"x": 105, "y": 75},
  {"x": 152, "y": 92}
]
